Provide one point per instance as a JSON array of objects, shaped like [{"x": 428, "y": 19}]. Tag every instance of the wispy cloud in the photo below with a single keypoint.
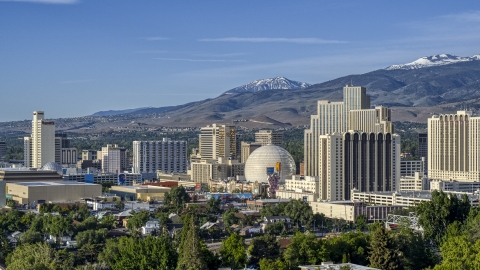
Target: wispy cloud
[
  {"x": 73, "y": 81},
  {"x": 151, "y": 51},
  {"x": 62, "y": 2},
  {"x": 473, "y": 16},
  {"x": 197, "y": 60},
  {"x": 156, "y": 38},
  {"x": 202, "y": 54},
  {"x": 278, "y": 40}
]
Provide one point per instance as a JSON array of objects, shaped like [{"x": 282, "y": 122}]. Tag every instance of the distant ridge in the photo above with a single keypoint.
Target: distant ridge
[{"x": 434, "y": 60}]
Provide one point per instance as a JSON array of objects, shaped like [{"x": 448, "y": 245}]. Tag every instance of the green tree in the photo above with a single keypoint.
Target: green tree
[
  {"x": 383, "y": 252},
  {"x": 213, "y": 206},
  {"x": 12, "y": 220},
  {"x": 303, "y": 249},
  {"x": 212, "y": 260},
  {"x": 91, "y": 237},
  {"x": 361, "y": 222},
  {"x": 138, "y": 220},
  {"x": 229, "y": 217},
  {"x": 136, "y": 253},
  {"x": 233, "y": 251},
  {"x": 247, "y": 220},
  {"x": 275, "y": 228},
  {"x": 459, "y": 252},
  {"x": 58, "y": 226},
  {"x": 38, "y": 256},
  {"x": 443, "y": 209},
  {"x": 31, "y": 237},
  {"x": 299, "y": 212},
  {"x": 190, "y": 252},
  {"x": 5, "y": 247},
  {"x": 265, "y": 246},
  {"x": 348, "y": 247},
  {"x": 273, "y": 210},
  {"x": 267, "y": 264},
  {"x": 176, "y": 199}
]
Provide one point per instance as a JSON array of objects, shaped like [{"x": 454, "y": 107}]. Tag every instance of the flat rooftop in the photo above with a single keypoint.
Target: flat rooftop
[
  {"x": 138, "y": 187},
  {"x": 46, "y": 184}
]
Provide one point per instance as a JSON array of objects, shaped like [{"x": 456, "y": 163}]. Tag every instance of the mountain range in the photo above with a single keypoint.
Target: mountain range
[{"x": 414, "y": 91}]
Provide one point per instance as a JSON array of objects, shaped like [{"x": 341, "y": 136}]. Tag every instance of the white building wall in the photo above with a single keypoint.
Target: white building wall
[{"x": 167, "y": 155}]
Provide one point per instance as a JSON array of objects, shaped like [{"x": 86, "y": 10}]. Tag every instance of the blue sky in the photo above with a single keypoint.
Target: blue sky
[{"x": 76, "y": 57}]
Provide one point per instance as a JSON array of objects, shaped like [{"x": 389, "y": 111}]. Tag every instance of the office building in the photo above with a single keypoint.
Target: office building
[
  {"x": 166, "y": 155},
  {"x": 454, "y": 147},
  {"x": 423, "y": 148},
  {"x": 247, "y": 149},
  {"x": 89, "y": 154},
  {"x": 220, "y": 169},
  {"x": 111, "y": 159},
  {"x": 3, "y": 151},
  {"x": 265, "y": 137},
  {"x": 217, "y": 141},
  {"x": 358, "y": 160},
  {"x": 69, "y": 156},
  {"x": 39, "y": 148},
  {"x": 410, "y": 167},
  {"x": 354, "y": 113}
]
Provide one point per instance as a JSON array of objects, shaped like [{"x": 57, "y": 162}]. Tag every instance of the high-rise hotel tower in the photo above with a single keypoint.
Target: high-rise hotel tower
[
  {"x": 454, "y": 147},
  {"x": 39, "y": 148},
  {"x": 354, "y": 113}
]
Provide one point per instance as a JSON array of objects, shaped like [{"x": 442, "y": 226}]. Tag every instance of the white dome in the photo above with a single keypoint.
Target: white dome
[
  {"x": 265, "y": 157},
  {"x": 52, "y": 166}
]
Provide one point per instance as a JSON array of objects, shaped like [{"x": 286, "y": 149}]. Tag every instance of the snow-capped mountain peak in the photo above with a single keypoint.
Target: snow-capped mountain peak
[
  {"x": 434, "y": 60},
  {"x": 268, "y": 84}
]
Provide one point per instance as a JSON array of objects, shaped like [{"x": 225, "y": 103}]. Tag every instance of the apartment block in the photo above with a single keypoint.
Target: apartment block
[{"x": 166, "y": 155}]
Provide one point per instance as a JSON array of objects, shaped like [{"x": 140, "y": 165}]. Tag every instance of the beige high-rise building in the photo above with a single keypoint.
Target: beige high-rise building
[
  {"x": 358, "y": 160},
  {"x": 265, "y": 137},
  {"x": 217, "y": 141},
  {"x": 40, "y": 146},
  {"x": 371, "y": 120},
  {"x": 454, "y": 147},
  {"x": 354, "y": 113},
  {"x": 247, "y": 149}
]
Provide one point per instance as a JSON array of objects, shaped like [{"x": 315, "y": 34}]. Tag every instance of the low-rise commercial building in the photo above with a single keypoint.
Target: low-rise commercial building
[
  {"x": 144, "y": 193},
  {"x": 297, "y": 194},
  {"x": 259, "y": 204},
  {"x": 350, "y": 210},
  {"x": 455, "y": 186},
  {"x": 405, "y": 198},
  {"x": 416, "y": 182},
  {"x": 51, "y": 192}
]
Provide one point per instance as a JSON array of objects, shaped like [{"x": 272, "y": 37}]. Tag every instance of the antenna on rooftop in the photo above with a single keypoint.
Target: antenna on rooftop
[{"x": 351, "y": 82}]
